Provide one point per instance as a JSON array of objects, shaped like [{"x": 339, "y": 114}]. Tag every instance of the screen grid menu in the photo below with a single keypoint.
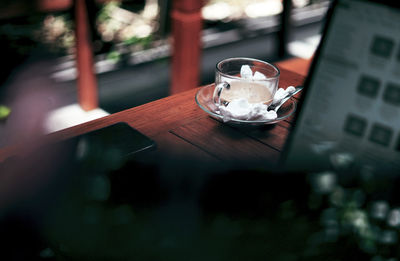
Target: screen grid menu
[{"x": 353, "y": 100}]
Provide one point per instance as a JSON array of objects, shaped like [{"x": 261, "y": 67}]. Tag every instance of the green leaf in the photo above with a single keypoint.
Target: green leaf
[
  {"x": 114, "y": 56},
  {"x": 132, "y": 40}
]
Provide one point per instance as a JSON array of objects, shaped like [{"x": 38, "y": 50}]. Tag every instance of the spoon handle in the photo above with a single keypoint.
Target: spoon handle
[{"x": 297, "y": 89}]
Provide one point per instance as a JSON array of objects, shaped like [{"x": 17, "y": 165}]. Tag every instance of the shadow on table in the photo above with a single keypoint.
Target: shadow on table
[{"x": 93, "y": 207}]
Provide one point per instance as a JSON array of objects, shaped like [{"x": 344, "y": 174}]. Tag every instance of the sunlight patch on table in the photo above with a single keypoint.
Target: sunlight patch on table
[{"x": 69, "y": 116}]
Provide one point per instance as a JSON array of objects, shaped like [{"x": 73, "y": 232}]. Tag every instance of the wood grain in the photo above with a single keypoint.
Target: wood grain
[
  {"x": 298, "y": 65},
  {"x": 175, "y": 147},
  {"x": 273, "y": 136},
  {"x": 225, "y": 142},
  {"x": 180, "y": 115}
]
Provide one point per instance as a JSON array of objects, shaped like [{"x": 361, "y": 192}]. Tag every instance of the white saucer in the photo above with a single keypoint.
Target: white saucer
[{"x": 204, "y": 100}]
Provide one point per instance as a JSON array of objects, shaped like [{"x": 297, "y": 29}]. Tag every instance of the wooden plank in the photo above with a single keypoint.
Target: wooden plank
[
  {"x": 271, "y": 135},
  {"x": 164, "y": 114},
  {"x": 286, "y": 123},
  {"x": 177, "y": 156},
  {"x": 174, "y": 147},
  {"x": 152, "y": 118},
  {"x": 298, "y": 65},
  {"x": 226, "y": 143}
]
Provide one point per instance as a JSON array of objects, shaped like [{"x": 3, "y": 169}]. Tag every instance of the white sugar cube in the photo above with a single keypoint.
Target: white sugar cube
[
  {"x": 241, "y": 109},
  {"x": 279, "y": 94},
  {"x": 290, "y": 89},
  {"x": 246, "y": 72},
  {"x": 282, "y": 93},
  {"x": 259, "y": 76},
  {"x": 270, "y": 115}
]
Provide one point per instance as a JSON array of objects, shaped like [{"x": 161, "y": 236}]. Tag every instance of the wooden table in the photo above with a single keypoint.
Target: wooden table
[
  {"x": 185, "y": 133},
  {"x": 222, "y": 217}
]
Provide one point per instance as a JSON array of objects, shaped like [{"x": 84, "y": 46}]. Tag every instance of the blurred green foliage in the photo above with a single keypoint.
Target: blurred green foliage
[{"x": 4, "y": 112}]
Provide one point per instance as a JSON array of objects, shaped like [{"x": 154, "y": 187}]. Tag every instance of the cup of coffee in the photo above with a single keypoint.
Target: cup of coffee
[{"x": 245, "y": 78}]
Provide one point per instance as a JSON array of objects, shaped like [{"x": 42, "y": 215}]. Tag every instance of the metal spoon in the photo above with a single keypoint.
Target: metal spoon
[{"x": 276, "y": 106}]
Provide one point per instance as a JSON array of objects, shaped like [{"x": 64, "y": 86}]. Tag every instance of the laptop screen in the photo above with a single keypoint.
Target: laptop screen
[{"x": 351, "y": 106}]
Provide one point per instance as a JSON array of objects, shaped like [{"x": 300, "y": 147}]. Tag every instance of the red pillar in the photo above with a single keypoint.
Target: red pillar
[
  {"x": 53, "y": 5},
  {"x": 87, "y": 83},
  {"x": 186, "y": 46}
]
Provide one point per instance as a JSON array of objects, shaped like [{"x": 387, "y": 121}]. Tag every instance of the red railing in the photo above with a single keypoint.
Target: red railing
[{"x": 186, "y": 43}]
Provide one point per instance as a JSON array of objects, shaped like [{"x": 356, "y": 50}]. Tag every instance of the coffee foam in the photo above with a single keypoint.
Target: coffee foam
[{"x": 253, "y": 92}]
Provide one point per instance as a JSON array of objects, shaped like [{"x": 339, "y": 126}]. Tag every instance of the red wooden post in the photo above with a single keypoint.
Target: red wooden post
[
  {"x": 87, "y": 84},
  {"x": 53, "y": 5},
  {"x": 186, "y": 31}
]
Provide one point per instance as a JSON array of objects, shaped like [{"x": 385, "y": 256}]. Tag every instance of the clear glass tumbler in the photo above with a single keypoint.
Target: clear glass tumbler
[{"x": 245, "y": 78}]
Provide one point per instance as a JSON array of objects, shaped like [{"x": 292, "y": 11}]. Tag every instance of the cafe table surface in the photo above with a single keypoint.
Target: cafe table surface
[{"x": 183, "y": 132}]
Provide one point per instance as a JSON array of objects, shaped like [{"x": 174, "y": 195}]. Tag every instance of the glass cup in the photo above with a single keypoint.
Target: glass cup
[{"x": 251, "y": 79}]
